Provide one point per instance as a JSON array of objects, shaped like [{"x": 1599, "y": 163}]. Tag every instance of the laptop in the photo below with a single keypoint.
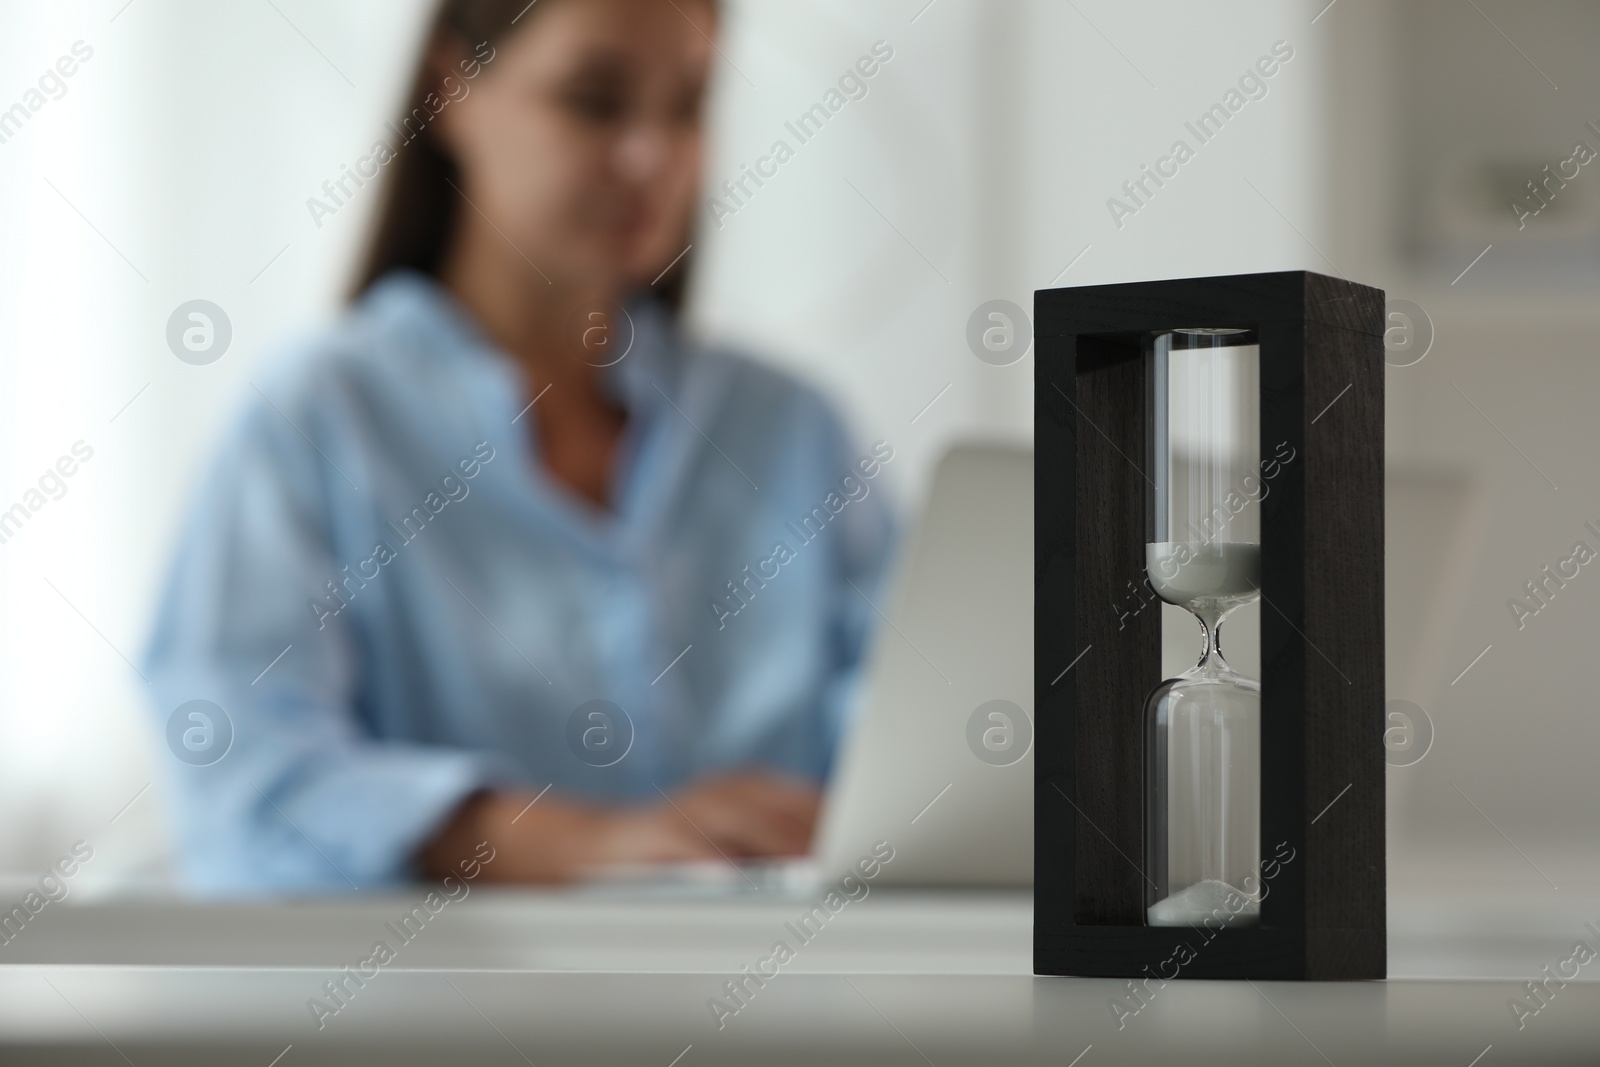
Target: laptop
[{"x": 938, "y": 761}]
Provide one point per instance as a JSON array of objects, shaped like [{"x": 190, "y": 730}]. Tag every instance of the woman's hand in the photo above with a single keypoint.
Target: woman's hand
[
  {"x": 728, "y": 817},
  {"x": 748, "y": 814}
]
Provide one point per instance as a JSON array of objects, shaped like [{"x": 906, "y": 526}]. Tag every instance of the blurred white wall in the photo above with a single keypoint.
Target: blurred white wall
[
  {"x": 977, "y": 167},
  {"x": 1490, "y": 473}
]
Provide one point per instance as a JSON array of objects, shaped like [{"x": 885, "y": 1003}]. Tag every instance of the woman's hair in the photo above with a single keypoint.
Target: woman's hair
[{"x": 420, "y": 203}]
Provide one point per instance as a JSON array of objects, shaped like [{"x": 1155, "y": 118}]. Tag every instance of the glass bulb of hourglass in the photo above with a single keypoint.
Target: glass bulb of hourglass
[{"x": 1204, "y": 737}]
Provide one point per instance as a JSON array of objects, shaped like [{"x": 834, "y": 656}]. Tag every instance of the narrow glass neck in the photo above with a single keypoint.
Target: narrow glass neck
[{"x": 1211, "y": 663}]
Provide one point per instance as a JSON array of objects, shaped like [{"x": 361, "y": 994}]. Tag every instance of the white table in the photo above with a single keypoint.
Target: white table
[{"x": 615, "y": 977}]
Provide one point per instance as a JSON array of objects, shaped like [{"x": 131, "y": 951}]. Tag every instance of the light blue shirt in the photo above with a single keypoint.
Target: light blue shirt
[{"x": 394, "y": 604}]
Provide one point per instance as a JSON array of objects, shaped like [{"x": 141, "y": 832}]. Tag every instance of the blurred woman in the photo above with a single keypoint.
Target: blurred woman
[{"x": 499, "y": 556}]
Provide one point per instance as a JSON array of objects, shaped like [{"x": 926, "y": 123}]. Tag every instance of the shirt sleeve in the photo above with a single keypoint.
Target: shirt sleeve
[{"x": 279, "y": 786}]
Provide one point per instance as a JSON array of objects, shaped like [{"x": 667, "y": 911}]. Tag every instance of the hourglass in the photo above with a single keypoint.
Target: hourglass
[
  {"x": 1214, "y": 444},
  {"x": 1203, "y": 553}
]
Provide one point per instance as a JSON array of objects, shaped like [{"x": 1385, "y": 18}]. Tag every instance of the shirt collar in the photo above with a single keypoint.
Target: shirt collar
[{"x": 417, "y": 305}]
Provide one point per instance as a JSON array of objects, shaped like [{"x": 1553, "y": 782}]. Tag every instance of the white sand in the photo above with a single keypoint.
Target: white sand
[
  {"x": 1187, "y": 572},
  {"x": 1191, "y": 906}
]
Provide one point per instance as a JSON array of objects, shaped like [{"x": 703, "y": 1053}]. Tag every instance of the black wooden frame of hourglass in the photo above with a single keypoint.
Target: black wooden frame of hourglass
[{"x": 1322, "y": 684}]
